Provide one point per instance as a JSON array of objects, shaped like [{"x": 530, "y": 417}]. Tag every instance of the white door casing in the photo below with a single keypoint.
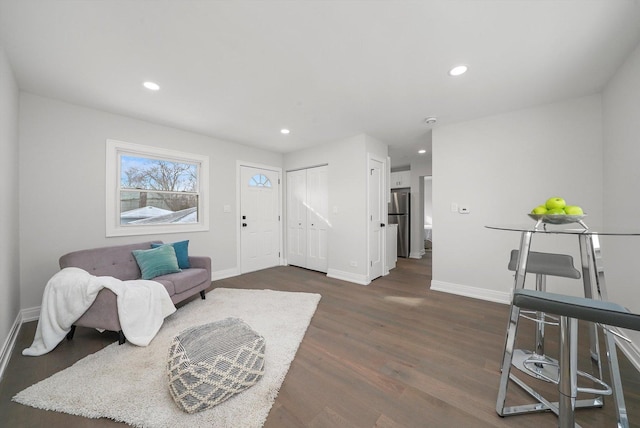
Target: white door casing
[
  {"x": 377, "y": 218},
  {"x": 259, "y": 218}
]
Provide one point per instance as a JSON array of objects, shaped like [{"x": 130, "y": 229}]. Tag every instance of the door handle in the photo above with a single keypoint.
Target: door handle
[
  {"x": 382, "y": 225},
  {"x": 244, "y": 224}
]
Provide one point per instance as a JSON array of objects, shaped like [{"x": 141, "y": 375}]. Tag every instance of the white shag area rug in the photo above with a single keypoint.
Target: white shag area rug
[{"x": 129, "y": 384}]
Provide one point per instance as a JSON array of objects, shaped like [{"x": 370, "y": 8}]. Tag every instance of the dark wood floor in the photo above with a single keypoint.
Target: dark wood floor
[{"x": 391, "y": 354}]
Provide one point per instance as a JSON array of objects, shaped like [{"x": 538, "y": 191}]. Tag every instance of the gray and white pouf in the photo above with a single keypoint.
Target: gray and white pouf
[{"x": 211, "y": 363}]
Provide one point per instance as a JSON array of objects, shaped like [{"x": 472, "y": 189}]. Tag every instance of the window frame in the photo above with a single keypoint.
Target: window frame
[
  {"x": 266, "y": 184},
  {"x": 114, "y": 150}
]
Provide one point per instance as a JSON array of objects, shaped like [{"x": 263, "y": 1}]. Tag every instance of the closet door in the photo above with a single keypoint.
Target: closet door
[
  {"x": 317, "y": 218},
  {"x": 297, "y": 218}
]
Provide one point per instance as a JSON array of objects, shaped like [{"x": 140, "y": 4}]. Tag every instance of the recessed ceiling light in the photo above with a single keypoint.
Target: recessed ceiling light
[
  {"x": 431, "y": 120},
  {"x": 422, "y": 151},
  {"x": 458, "y": 70},
  {"x": 153, "y": 86},
  {"x": 284, "y": 131}
]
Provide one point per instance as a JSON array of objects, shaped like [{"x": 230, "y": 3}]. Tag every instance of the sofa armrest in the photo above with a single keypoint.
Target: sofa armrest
[{"x": 201, "y": 262}]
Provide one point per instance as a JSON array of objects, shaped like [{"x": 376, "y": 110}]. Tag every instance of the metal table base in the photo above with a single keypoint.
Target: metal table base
[{"x": 594, "y": 287}]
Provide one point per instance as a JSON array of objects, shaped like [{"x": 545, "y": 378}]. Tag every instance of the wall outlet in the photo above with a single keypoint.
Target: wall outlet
[
  {"x": 226, "y": 208},
  {"x": 353, "y": 263},
  {"x": 464, "y": 209},
  {"x": 454, "y": 207}
]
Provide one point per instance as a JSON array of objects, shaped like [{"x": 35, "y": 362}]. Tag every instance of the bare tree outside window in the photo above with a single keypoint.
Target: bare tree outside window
[{"x": 157, "y": 191}]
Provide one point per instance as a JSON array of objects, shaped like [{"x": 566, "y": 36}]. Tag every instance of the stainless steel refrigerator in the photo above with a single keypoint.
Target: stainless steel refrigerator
[{"x": 399, "y": 213}]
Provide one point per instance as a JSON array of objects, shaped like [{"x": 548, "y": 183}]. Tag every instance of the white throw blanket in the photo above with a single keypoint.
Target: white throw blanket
[{"x": 142, "y": 307}]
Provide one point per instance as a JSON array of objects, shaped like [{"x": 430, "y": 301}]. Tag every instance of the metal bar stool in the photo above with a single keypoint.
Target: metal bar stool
[
  {"x": 540, "y": 264},
  {"x": 570, "y": 309},
  {"x": 535, "y": 363}
]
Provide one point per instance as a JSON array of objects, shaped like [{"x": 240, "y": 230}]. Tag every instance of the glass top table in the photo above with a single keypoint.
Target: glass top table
[
  {"x": 594, "y": 283},
  {"x": 567, "y": 229}
]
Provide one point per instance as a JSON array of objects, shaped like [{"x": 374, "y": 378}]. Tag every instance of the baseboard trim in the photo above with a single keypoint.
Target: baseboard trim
[
  {"x": 30, "y": 314},
  {"x": 416, "y": 254},
  {"x": 9, "y": 344},
  {"x": 348, "y": 276},
  {"x": 474, "y": 292},
  {"x": 224, "y": 274}
]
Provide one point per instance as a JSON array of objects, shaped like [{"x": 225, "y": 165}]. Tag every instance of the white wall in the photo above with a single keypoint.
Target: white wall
[
  {"x": 621, "y": 111},
  {"x": 62, "y": 186},
  {"x": 502, "y": 166},
  {"x": 347, "y": 175},
  {"x": 9, "y": 214}
]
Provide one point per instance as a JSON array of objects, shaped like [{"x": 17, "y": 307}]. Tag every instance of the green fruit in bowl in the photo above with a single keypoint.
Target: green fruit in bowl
[
  {"x": 573, "y": 210},
  {"x": 555, "y": 202},
  {"x": 555, "y": 211},
  {"x": 540, "y": 209}
]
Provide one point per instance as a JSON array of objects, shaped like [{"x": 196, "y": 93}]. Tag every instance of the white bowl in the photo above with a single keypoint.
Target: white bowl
[{"x": 557, "y": 218}]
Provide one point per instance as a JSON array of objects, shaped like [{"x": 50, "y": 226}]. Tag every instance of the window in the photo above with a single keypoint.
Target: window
[
  {"x": 259, "y": 180},
  {"x": 152, "y": 190}
]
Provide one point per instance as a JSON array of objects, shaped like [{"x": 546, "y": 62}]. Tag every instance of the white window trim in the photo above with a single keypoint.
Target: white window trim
[{"x": 113, "y": 226}]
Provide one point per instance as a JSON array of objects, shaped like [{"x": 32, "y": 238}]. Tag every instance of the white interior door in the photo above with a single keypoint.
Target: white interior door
[
  {"x": 297, "y": 218},
  {"x": 259, "y": 218},
  {"x": 377, "y": 219},
  {"x": 317, "y": 218}
]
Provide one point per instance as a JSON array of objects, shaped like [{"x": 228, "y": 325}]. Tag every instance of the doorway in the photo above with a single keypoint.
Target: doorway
[
  {"x": 428, "y": 213},
  {"x": 260, "y": 225},
  {"x": 308, "y": 218},
  {"x": 377, "y": 217}
]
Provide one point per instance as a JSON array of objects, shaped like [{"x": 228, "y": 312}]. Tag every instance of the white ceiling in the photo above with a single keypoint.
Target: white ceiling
[{"x": 242, "y": 70}]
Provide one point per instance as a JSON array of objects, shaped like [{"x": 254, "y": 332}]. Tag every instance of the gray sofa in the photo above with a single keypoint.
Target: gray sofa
[{"x": 119, "y": 262}]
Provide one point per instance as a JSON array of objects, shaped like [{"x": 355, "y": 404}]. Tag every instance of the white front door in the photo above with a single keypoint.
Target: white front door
[
  {"x": 377, "y": 218},
  {"x": 259, "y": 218}
]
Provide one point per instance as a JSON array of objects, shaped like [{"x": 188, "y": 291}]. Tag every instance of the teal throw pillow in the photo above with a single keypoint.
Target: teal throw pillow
[
  {"x": 157, "y": 261},
  {"x": 182, "y": 253}
]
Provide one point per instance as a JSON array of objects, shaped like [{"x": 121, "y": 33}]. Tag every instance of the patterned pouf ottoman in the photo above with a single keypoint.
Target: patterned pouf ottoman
[{"x": 211, "y": 363}]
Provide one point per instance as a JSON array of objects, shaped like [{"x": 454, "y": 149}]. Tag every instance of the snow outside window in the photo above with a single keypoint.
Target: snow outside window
[{"x": 152, "y": 190}]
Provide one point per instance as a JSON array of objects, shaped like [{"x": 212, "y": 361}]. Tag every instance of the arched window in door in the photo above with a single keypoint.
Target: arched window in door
[{"x": 259, "y": 180}]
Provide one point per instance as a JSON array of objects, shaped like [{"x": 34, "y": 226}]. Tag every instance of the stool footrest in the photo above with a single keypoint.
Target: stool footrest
[
  {"x": 544, "y": 405},
  {"x": 537, "y": 366}
]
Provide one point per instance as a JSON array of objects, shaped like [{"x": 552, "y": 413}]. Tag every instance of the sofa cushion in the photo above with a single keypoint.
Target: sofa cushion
[
  {"x": 182, "y": 253},
  {"x": 116, "y": 261},
  {"x": 157, "y": 261},
  {"x": 185, "y": 280},
  {"x": 167, "y": 284}
]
